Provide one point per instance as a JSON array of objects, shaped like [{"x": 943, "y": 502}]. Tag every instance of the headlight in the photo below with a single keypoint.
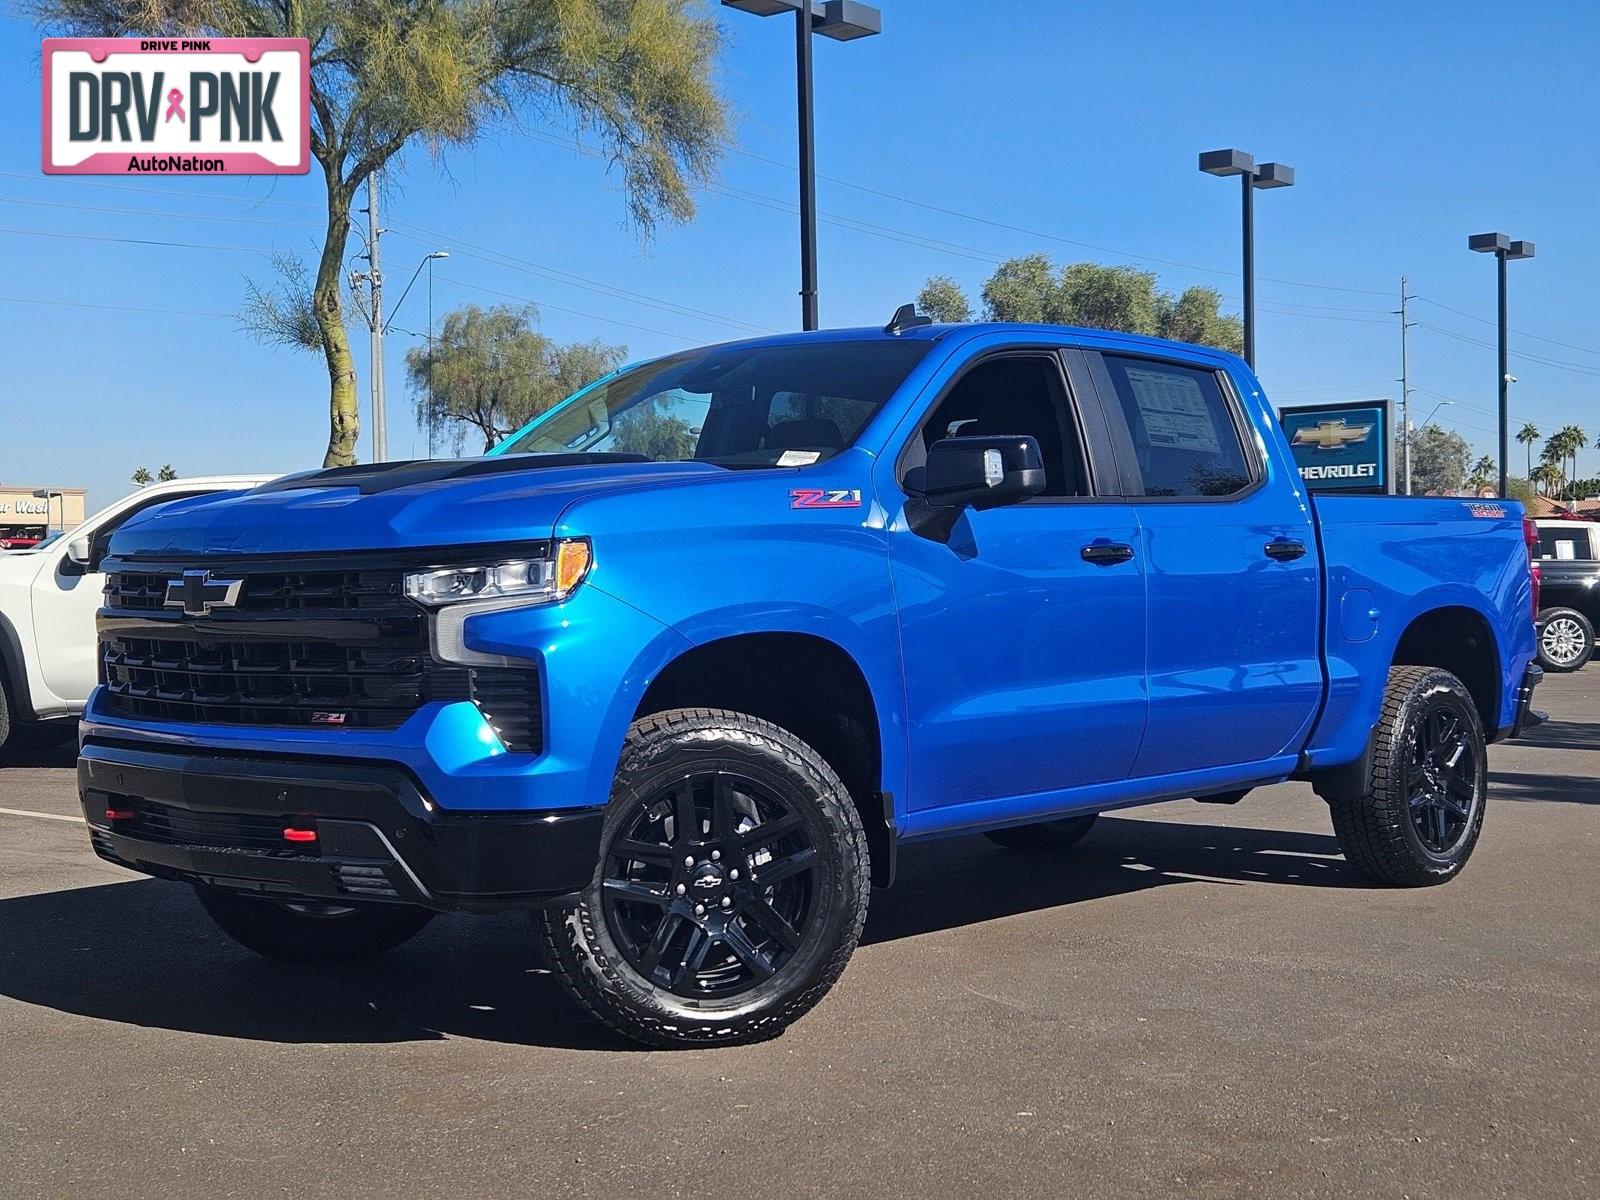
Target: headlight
[{"x": 538, "y": 580}]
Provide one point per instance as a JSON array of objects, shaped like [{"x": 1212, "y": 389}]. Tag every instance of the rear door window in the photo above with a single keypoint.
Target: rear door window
[{"x": 1186, "y": 440}]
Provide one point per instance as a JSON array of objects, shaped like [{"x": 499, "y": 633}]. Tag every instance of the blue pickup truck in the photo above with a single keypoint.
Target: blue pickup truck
[{"x": 681, "y": 665}]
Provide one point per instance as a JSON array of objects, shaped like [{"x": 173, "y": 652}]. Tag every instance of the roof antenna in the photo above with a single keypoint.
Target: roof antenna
[{"x": 906, "y": 317}]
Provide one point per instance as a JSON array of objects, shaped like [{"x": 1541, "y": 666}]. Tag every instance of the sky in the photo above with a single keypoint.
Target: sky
[{"x": 966, "y": 134}]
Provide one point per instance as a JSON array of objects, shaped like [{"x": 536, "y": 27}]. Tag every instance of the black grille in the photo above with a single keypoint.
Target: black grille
[
  {"x": 223, "y": 830},
  {"x": 257, "y": 682},
  {"x": 510, "y": 702},
  {"x": 338, "y": 649},
  {"x": 268, "y": 591},
  {"x": 329, "y": 649}
]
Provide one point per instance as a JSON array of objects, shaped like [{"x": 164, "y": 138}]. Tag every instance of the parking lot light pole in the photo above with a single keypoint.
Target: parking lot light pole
[
  {"x": 844, "y": 21},
  {"x": 1251, "y": 177},
  {"x": 1504, "y": 250}
]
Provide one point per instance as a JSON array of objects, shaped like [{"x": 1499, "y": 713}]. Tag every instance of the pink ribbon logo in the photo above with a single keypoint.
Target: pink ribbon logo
[{"x": 175, "y": 106}]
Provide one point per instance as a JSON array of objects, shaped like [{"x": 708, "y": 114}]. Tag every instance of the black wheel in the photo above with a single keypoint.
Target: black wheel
[
  {"x": 310, "y": 931},
  {"x": 1060, "y": 834},
  {"x": 731, "y": 888},
  {"x": 1420, "y": 817},
  {"x": 1566, "y": 639}
]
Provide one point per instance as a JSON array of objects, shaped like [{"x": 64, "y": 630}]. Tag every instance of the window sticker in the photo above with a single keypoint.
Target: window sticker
[
  {"x": 798, "y": 458},
  {"x": 1174, "y": 410}
]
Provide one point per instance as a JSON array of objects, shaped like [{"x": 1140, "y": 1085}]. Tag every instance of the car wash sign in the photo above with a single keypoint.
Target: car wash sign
[
  {"x": 1341, "y": 447},
  {"x": 177, "y": 106}
]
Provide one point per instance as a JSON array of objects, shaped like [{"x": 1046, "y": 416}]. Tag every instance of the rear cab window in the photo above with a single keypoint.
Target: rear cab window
[{"x": 1185, "y": 433}]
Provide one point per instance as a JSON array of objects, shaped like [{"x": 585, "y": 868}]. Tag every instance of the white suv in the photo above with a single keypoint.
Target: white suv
[{"x": 48, "y": 598}]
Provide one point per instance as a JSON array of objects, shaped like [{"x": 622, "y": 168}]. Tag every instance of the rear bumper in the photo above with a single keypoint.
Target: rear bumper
[
  {"x": 219, "y": 819},
  {"x": 1526, "y": 717}
]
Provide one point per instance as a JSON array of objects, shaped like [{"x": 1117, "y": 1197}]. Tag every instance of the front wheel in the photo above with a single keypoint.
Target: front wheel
[
  {"x": 292, "y": 931},
  {"x": 731, "y": 888},
  {"x": 1566, "y": 639},
  {"x": 1419, "y": 818}
]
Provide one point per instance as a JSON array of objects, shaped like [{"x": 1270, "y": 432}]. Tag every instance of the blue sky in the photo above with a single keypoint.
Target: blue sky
[{"x": 1012, "y": 126}]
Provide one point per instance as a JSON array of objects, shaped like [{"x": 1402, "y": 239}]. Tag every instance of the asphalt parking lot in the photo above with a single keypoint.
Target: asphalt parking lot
[{"x": 1199, "y": 1000}]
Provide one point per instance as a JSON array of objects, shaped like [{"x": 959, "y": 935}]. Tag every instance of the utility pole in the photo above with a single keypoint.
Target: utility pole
[
  {"x": 380, "y": 424},
  {"x": 1405, "y": 384}
]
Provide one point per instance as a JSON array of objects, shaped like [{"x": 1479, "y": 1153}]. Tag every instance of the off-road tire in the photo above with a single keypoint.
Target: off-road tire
[
  {"x": 1060, "y": 834},
  {"x": 5, "y": 713},
  {"x": 666, "y": 747},
  {"x": 1564, "y": 619},
  {"x": 310, "y": 934},
  {"x": 1375, "y": 828}
]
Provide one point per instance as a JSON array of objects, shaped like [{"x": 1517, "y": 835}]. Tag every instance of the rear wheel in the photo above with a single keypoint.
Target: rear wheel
[
  {"x": 310, "y": 931},
  {"x": 1566, "y": 639},
  {"x": 731, "y": 888},
  {"x": 1419, "y": 818},
  {"x": 1061, "y": 834}
]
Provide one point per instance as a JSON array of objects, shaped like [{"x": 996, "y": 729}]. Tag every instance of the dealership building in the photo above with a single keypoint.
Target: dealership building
[{"x": 31, "y": 512}]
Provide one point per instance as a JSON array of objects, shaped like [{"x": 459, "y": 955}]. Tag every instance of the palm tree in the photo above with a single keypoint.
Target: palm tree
[
  {"x": 1580, "y": 439},
  {"x": 1546, "y": 476},
  {"x": 1528, "y": 435},
  {"x": 1482, "y": 471}
]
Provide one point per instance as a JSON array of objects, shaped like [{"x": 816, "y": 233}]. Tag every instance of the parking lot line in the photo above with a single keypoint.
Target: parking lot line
[{"x": 23, "y": 812}]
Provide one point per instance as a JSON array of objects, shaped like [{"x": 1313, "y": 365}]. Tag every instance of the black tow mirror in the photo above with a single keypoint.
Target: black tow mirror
[
  {"x": 982, "y": 472},
  {"x": 971, "y": 472}
]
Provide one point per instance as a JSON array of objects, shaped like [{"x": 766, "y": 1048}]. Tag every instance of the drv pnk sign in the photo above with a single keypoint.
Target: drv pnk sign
[
  {"x": 1341, "y": 447},
  {"x": 177, "y": 106}
]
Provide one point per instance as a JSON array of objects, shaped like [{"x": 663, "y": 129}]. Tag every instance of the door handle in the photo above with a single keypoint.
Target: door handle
[
  {"x": 1106, "y": 554},
  {"x": 1284, "y": 549}
]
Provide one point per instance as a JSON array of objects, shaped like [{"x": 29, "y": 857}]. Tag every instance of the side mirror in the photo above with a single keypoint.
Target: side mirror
[
  {"x": 982, "y": 472},
  {"x": 971, "y": 472},
  {"x": 80, "y": 551}
]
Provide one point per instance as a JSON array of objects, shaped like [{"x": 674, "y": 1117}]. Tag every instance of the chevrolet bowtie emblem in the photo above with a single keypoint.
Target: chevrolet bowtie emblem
[
  {"x": 1331, "y": 435},
  {"x": 197, "y": 593}
]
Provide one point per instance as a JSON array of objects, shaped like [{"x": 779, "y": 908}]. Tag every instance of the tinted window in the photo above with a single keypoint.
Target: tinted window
[
  {"x": 1183, "y": 433},
  {"x": 1018, "y": 394},
  {"x": 1563, "y": 543},
  {"x": 784, "y": 405}
]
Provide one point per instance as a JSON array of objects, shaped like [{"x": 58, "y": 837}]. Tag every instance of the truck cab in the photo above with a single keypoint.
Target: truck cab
[{"x": 682, "y": 664}]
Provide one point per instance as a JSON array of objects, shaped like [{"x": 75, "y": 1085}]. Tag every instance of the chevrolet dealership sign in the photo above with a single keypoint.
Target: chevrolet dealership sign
[
  {"x": 1341, "y": 447},
  {"x": 173, "y": 106}
]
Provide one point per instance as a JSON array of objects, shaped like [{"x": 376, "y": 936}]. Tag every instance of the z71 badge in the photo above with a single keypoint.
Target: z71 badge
[{"x": 825, "y": 498}]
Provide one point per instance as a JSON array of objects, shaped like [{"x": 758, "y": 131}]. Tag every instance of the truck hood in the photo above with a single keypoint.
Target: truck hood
[{"x": 402, "y": 505}]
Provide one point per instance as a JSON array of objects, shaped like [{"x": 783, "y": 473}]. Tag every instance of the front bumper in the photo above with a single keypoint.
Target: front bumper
[{"x": 219, "y": 819}]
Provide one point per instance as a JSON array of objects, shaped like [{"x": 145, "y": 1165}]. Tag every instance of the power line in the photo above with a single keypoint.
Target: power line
[
  {"x": 1560, "y": 364},
  {"x": 1519, "y": 332},
  {"x": 166, "y": 312},
  {"x": 95, "y": 237}
]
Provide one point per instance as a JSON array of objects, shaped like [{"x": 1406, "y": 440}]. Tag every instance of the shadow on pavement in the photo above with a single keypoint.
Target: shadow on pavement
[
  {"x": 143, "y": 953},
  {"x": 1526, "y": 786},
  {"x": 948, "y": 884},
  {"x": 1561, "y": 735},
  {"x": 51, "y": 745}
]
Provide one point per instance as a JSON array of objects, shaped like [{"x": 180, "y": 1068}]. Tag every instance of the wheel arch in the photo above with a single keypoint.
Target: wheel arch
[
  {"x": 809, "y": 685},
  {"x": 1460, "y": 640}
]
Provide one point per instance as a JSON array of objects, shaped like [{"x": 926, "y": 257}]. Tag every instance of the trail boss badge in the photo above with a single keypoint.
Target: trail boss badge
[{"x": 174, "y": 106}]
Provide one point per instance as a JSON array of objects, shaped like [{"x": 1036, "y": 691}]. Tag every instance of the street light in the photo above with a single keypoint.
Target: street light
[
  {"x": 1503, "y": 249},
  {"x": 843, "y": 21},
  {"x": 1267, "y": 175},
  {"x": 428, "y": 262}
]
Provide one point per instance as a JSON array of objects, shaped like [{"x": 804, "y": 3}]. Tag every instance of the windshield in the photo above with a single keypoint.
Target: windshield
[{"x": 766, "y": 406}]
